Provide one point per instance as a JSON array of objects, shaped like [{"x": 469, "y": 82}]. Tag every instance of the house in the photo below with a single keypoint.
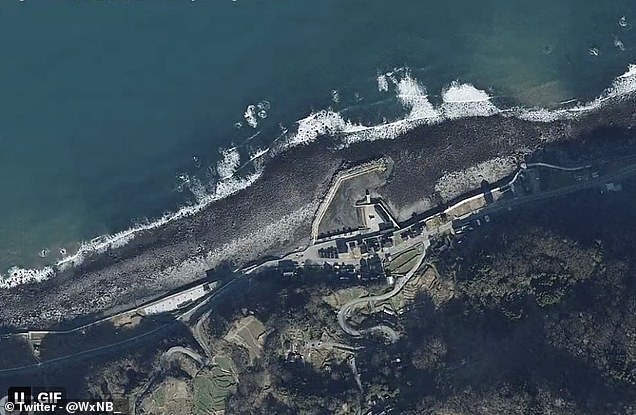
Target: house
[{"x": 287, "y": 267}]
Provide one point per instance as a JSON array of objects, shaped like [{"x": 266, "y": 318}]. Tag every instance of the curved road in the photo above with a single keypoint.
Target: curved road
[
  {"x": 346, "y": 310},
  {"x": 555, "y": 167},
  {"x": 319, "y": 344},
  {"x": 188, "y": 352},
  {"x": 184, "y": 318}
]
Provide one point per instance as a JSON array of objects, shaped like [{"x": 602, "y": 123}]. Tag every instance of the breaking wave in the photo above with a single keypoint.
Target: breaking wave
[
  {"x": 229, "y": 164},
  {"x": 412, "y": 95},
  {"x": 254, "y": 112},
  {"x": 317, "y": 124},
  {"x": 229, "y": 183},
  {"x": 458, "y": 100},
  {"x": 383, "y": 84},
  {"x": 464, "y": 100},
  {"x": 622, "y": 87}
]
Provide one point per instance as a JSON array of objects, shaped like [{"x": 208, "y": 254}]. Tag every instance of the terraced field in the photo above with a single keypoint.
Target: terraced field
[
  {"x": 250, "y": 333},
  {"x": 404, "y": 261},
  {"x": 212, "y": 386}
]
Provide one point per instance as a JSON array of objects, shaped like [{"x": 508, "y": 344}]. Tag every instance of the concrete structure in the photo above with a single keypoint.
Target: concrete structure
[
  {"x": 374, "y": 214},
  {"x": 378, "y": 165},
  {"x": 178, "y": 300},
  {"x": 613, "y": 187}
]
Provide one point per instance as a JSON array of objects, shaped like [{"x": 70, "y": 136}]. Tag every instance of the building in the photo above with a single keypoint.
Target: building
[
  {"x": 485, "y": 188},
  {"x": 287, "y": 267}
]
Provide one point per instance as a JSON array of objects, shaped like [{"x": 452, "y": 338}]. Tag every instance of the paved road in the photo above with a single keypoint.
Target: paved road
[
  {"x": 69, "y": 331},
  {"x": 84, "y": 352},
  {"x": 507, "y": 203},
  {"x": 346, "y": 310},
  {"x": 552, "y": 166},
  {"x": 93, "y": 323},
  {"x": 197, "y": 332},
  {"x": 319, "y": 344},
  {"x": 311, "y": 253},
  {"x": 185, "y": 317},
  {"x": 188, "y": 352}
]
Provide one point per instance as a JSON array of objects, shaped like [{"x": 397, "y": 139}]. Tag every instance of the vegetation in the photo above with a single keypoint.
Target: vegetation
[
  {"x": 212, "y": 387},
  {"x": 406, "y": 260},
  {"x": 532, "y": 313}
]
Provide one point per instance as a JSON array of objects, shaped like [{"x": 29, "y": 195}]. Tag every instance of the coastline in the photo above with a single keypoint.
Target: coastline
[
  {"x": 275, "y": 213},
  {"x": 459, "y": 100}
]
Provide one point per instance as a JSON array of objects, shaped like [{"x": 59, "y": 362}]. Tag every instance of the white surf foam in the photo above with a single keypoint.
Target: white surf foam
[
  {"x": 387, "y": 131},
  {"x": 17, "y": 276},
  {"x": 229, "y": 163},
  {"x": 409, "y": 92},
  {"x": 254, "y": 112},
  {"x": 623, "y": 86},
  {"x": 250, "y": 116},
  {"x": 619, "y": 44},
  {"x": 264, "y": 105},
  {"x": 413, "y": 96},
  {"x": 464, "y": 100},
  {"x": 335, "y": 96},
  {"x": 324, "y": 122},
  {"x": 458, "y": 100},
  {"x": 383, "y": 83},
  {"x": 197, "y": 188},
  {"x": 222, "y": 189},
  {"x": 229, "y": 184}
]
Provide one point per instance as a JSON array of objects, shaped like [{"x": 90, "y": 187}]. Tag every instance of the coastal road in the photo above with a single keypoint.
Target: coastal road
[
  {"x": 185, "y": 317},
  {"x": 130, "y": 312},
  {"x": 84, "y": 352},
  {"x": 509, "y": 203},
  {"x": 348, "y": 308},
  {"x": 197, "y": 333}
]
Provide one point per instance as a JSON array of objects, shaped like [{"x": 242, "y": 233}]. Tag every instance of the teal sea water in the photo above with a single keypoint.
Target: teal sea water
[{"x": 108, "y": 107}]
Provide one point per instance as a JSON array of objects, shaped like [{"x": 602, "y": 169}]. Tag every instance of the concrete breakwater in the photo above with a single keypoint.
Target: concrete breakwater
[
  {"x": 275, "y": 214},
  {"x": 342, "y": 176}
]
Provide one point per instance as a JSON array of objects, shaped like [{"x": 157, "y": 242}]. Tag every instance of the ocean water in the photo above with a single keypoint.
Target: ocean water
[{"x": 113, "y": 112}]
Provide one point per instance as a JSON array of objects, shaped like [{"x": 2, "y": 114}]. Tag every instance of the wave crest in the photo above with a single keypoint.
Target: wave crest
[
  {"x": 459, "y": 100},
  {"x": 17, "y": 276},
  {"x": 229, "y": 163},
  {"x": 230, "y": 184},
  {"x": 464, "y": 100}
]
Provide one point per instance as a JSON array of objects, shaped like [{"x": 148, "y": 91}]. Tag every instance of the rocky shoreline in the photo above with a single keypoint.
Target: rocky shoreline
[{"x": 274, "y": 215}]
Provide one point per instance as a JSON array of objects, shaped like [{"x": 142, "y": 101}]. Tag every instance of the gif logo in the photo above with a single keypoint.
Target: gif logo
[
  {"x": 12, "y": 403},
  {"x": 19, "y": 395},
  {"x": 27, "y": 400}
]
